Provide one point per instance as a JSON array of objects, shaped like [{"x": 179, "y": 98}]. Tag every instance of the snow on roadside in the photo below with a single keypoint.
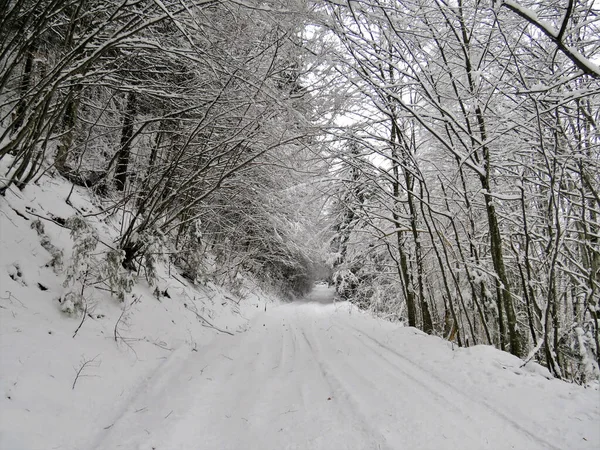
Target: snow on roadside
[
  {"x": 564, "y": 413},
  {"x": 58, "y": 390}
]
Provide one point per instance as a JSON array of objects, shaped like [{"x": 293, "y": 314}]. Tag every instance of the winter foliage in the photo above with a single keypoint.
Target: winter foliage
[
  {"x": 438, "y": 161},
  {"x": 204, "y": 204},
  {"x": 474, "y": 145}
]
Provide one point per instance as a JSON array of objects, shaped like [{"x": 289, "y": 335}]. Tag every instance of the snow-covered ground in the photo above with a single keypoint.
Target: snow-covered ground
[
  {"x": 41, "y": 405},
  {"x": 304, "y": 375},
  {"x": 311, "y": 375}
]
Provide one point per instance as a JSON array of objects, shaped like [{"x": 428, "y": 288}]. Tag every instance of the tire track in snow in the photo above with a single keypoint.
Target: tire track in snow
[
  {"x": 237, "y": 407},
  {"x": 375, "y": 438},
  {"x": 269, "y": 390},
  {"x": 430, "y": 386},
  {"x": 289, "y": 349},
  {"x": 363, "y": 376},
  {"x": 316, "y": 422},
  {"x": 152, "y": 386}
]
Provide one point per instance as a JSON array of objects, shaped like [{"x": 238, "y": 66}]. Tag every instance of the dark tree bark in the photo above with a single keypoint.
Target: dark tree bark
[
  {"x": 403, "y": 270},
  {"x": 121, "y": 173},
  {"x": 68, "y": 129},
  {"x": 24, "y": 88}
]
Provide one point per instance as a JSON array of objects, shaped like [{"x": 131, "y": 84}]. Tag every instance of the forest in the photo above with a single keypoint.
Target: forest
[{"x": 438, "y": 161}]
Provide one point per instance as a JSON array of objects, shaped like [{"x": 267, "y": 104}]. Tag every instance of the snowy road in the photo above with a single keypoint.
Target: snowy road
[{"x": 314, "y": 375}]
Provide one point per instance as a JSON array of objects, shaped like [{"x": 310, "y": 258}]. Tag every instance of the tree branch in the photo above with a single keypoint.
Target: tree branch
[{"x": 582, "y": 63}]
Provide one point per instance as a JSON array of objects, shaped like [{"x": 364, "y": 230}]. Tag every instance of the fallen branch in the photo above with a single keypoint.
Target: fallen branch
[
  {"x": 210, "y": 325},
  {"x": 83, "y": 366},
  {"x": 82, "y": 319},
  {"x": 173, "y": 276},
  {"x": 125, "y": 309},
  {"x": 10, "y": 297},
  {"x": 18, "y": 213}
]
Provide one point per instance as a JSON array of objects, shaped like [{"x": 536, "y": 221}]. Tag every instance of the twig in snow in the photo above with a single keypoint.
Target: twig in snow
[
  {"x": 160, "y": 344},
  {"x": 210, "y": 325},
  {"x": 125, "y": 309},
  {"x": 83, "y": 366},
  {"x": 237, "y": 303},
  {"x": 169, "y": 414},
  {"x": 82, "y": 320},
  {"x": 11, "y": 297},
  {"x": 173, "y": 276},
  {"x": 85, "y": 310},
  {"x": 55, "y": 222},
  {"x": 20, "y": 214},
  {"x": 9, "y": 219},
  {"x": 117, "y": 324},
  {"x": 68, "y": 200}
]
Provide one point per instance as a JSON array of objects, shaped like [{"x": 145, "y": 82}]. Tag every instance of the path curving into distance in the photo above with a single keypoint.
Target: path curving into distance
[{"x": 316, "y": 375}]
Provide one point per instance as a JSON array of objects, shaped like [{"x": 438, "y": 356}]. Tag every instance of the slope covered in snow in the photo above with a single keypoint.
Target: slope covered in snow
[
  {"x": 63, "y": 380},
  {"x": 200, "y": 369}
]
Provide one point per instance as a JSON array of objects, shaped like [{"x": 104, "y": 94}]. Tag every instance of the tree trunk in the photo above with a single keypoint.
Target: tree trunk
[
  {"x": 68, "y": 130},
  {"x": 125, "y": 147},
  {"x": 516, "y": 346},
  {"x": 405, "y": 278},
  {"x": 24, "y": 88},
  {"x": 425, "y": 313}
]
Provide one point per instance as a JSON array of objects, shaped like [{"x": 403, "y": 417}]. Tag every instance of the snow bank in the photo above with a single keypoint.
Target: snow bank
[{"x": 60, "y": 387}]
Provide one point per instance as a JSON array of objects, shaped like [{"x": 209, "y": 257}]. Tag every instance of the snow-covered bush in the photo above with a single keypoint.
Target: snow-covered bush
[
  {"x": 89, "y": 267},
  {"x": 578, "y": 347},
  {"x": 190, "y": 251},
  {"x": 57, "y": 255},
  {"x": 72, "y": 303},
  {"x": 85, "y": 241},
  {"x": 152, "y": 253},
  {"x": 111, "y": 271},
  {"x": 82, "y": 264}
]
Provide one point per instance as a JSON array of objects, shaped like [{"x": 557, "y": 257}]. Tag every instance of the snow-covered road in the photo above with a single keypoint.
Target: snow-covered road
[{"x": 314, "y": 375}]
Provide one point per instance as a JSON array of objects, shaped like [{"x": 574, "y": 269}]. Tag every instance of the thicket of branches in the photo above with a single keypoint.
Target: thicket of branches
[
  {"x": 466, "y": 173},
  {"x": 468, "y": 199},
  {"x": 170, "y": 111}
]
